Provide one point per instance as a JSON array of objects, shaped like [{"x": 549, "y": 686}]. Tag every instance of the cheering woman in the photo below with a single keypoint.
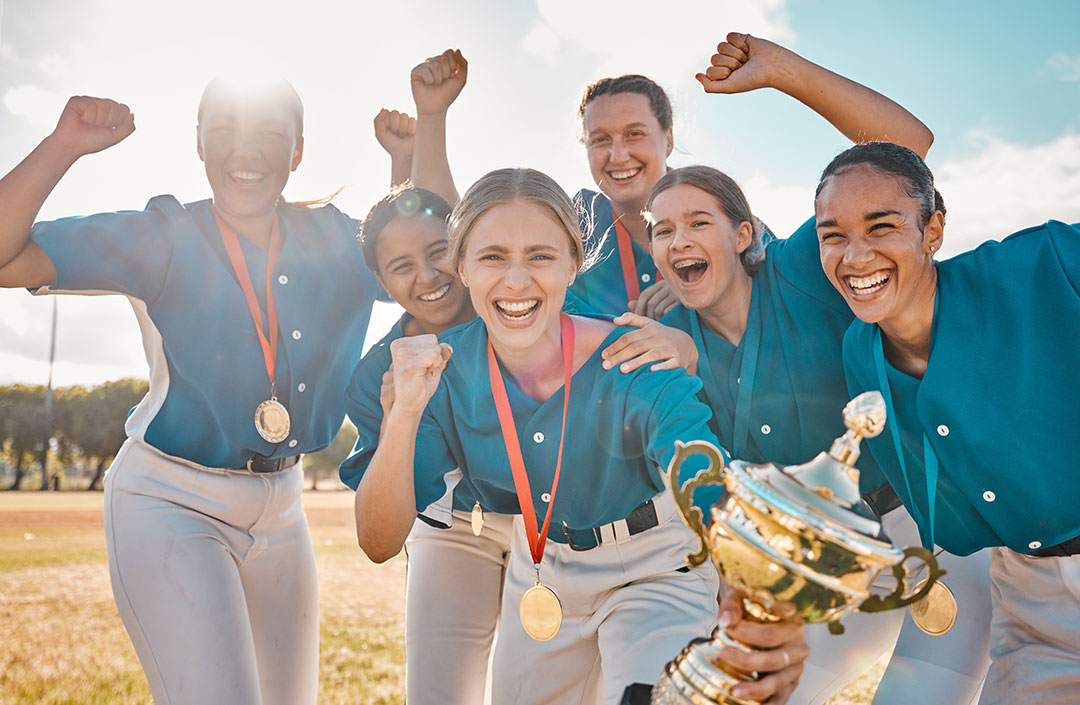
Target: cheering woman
[
  {"x": 209, "y": 553},
  {"x": 976, "y": 359}
]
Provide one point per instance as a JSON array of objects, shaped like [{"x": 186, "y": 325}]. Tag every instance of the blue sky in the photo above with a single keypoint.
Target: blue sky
[{"x": 998, "y": 83}]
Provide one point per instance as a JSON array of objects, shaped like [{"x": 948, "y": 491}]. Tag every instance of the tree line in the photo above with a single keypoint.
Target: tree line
[{"x": 86, "y": 429}]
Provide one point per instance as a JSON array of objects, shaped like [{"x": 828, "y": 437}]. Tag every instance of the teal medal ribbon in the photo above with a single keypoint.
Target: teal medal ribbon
[
  {"x": 930, "y": 459},
  {"x": 751, "y": 343}
]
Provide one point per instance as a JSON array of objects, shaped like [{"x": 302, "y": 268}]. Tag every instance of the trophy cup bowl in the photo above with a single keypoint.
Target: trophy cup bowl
[{"x": 799, "y": 534}]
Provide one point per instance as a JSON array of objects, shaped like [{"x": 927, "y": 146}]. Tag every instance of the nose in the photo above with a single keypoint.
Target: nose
[
  {"x": 517, "y": 276},
  {"x": 427, "y": 272},
  {"x": 680, "y": 240},
  {"x": 619, "y": 153},
  {"x": 858, "y": 252}
]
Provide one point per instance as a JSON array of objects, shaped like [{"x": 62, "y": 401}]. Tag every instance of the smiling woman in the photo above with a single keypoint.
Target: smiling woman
[
  {"x": 976, "y": 359},
  {"x": 243, "y": 379}
]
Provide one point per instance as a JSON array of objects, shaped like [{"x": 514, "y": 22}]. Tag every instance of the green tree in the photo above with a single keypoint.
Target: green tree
[
  {"x": 22, "y": 427},
  {"x": 325, "y": 463},
  {"x": 92, "y": 421}
]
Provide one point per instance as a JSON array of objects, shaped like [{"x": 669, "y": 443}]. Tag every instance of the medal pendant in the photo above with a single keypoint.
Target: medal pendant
[
  {"x": 541, "y": 612},
  {"x": 935, "y": 614},
  {"x": 272, "y": 420},
  {"x": 477, "y": 519}
]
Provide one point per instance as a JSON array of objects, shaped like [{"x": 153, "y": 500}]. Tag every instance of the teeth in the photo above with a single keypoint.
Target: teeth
[
  {"x": 435, "y": 295},
  {"x": 517, "y": 308},
  {"x": 689, "y": 263},
  {"x": 246, "y": 175},
  {"x": 868, "y": 282},
  {"x": 624, "y": 174}
]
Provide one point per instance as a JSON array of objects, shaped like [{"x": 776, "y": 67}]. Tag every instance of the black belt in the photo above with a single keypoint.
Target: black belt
[
  {"x": 641, "y": 519},
  {"x": 262, "y": 465},
  {"x": 1065, "y": 548}
]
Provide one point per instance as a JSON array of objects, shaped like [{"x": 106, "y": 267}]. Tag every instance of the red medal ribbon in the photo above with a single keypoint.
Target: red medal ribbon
[
  {"x": 629, "y": 268},
  {"x": 236, "y": 257},
  {"x": 537, "y": 539}
]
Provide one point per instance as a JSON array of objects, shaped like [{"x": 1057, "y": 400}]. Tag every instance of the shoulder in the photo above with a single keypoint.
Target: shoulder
[
  {"x": 591, "y": 333},
  {"x": 1028, "y": 249},
  {"x": 321, "y": 223},
  {"x": 678, "y": 317}
]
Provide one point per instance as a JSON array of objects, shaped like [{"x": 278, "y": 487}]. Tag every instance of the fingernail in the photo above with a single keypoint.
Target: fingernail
[
  {"x": 726, "y": 619},
  {"x": 624, "y": 368},
  {"x": 607, "y": 364}
]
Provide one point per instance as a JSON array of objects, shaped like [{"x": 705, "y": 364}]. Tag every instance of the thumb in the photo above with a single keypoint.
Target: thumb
[
  {"x": 632, "y": 319},
  {"x": 446, "y": 351}
]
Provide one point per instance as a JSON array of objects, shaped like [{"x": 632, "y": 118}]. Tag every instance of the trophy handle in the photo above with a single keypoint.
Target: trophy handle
[
  {"x": 711, "y": 475},
  {"x": 897, "y": 598}
]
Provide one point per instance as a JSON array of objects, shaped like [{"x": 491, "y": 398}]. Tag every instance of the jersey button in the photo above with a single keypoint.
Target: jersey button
[
  {"x": 989, "y": 496},
  {"x": 646, "y": 278},
  {"x": 545, "y": 498},
  {"x": 766, "y": 429},
  {"x": 301, "y": 387},
  {"x": 538, "y": 437},
  {"x": 283, "y": 279},
  {"x": 296, "y": 335},
  {"x": 942, "y": 430},
  {"x": 292, "y": 443},
  {"x": 1035, "y": 545}
]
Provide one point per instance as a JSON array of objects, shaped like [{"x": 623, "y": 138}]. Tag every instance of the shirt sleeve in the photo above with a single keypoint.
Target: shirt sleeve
[
  {"x": 677, "y": 414},
  {"x": 435, "y": 473},
  {"x": 797, "y": 260},
  {"x": 127, "y": 252},
  {"x": 363, "y": 405},
  {"x": 1066, "y": 239}
]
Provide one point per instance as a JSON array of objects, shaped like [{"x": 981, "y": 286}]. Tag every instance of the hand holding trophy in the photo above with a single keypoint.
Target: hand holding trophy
[{"x": 798, "y": 535}]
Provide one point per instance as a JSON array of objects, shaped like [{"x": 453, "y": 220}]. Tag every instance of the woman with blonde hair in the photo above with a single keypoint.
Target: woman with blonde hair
[{"x": 598, "y": 596}]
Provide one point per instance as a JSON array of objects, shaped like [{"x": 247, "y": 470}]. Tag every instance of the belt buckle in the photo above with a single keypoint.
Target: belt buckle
[{"x": 579, "y": 547}]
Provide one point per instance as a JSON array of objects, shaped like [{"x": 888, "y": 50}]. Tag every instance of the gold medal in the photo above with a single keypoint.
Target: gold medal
[
  {"x": 477, "y": 519},
  {"x": 272, "y": 420},
  {"x": 935, "y": 614},
  {"x": 541, "y": 612}
]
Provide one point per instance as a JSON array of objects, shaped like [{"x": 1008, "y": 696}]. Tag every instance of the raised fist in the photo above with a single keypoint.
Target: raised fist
[
  {"x": 395, "y": 131},
  {"x": 89, "y": 125},
  {"x": 437, "y": 82}
]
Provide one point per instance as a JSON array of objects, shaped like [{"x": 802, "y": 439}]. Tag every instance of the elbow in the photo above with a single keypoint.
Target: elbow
[
  {"x": 924, "y": 140},
  {"x": 378, "y": 548}
]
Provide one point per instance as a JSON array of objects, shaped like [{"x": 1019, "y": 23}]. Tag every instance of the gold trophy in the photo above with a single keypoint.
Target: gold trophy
[{"x": 798, "y": 534}]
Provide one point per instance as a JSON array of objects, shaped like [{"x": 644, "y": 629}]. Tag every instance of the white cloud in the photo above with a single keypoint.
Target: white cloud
[
  {"x": 666, "y": 42},
  {"x": 1064, "y": 67},
  {"x": 1006, "y": 186},
  {"x": 37, "y": 105},
  {"x": 541, "y": 41}
]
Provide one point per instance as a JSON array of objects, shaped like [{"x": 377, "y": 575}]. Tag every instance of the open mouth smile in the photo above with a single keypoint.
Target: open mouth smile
[
  {"x": 517, "y": 311},
  {"x": 247, "y": 178},
  {"x": 868, "y": 285},
  {"x": 623, "y": 175},
  {"x": 690, "y": 271},
  {"x": 435, "y": 295}
]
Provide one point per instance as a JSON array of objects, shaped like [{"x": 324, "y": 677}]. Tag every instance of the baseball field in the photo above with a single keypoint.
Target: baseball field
[{"x": 63, "y": 642}]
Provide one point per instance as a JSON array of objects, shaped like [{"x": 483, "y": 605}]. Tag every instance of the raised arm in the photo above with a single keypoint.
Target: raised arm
[
  {"x": 395, "y": 131},
  {"x": 86, "y": 125},
  {"x": 436, "y": 83},
  {"x": 746, "y": 63},
  {"x": 385, "y": 505}
]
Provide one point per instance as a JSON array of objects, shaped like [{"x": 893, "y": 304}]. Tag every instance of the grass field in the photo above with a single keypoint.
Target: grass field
[{"x": 63, "y": 642}]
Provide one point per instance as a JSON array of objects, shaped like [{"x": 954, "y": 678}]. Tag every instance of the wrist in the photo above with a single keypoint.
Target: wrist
[
  {"x": 59, "y": 151},
  {"x": 789, "y": 71},
  {"x": 434, "y": 115}
]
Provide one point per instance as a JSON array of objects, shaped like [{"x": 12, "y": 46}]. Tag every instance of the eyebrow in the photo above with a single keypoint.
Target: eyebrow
[
  {"x": 617, "y": 129},
  {"x": 867, "y": 218},
  {"x": 500, "y": 249},
  {"x": 687, "y": 214},
  {"x": 396, "y": 260}
]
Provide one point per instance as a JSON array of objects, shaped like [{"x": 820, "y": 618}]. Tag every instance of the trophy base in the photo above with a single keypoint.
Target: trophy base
[{"x": 694, "y": 679}]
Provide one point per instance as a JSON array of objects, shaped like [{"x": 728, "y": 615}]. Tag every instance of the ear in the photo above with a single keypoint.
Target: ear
[
  {"x": 934, "y": 233},
  {"x": 298, "y": 154},
  {"x": 743, "y": 237},
  {"x": 461, "y": 276},
  {"x": 198, "y": 143},
  {"x": 670, "y": 142}
]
